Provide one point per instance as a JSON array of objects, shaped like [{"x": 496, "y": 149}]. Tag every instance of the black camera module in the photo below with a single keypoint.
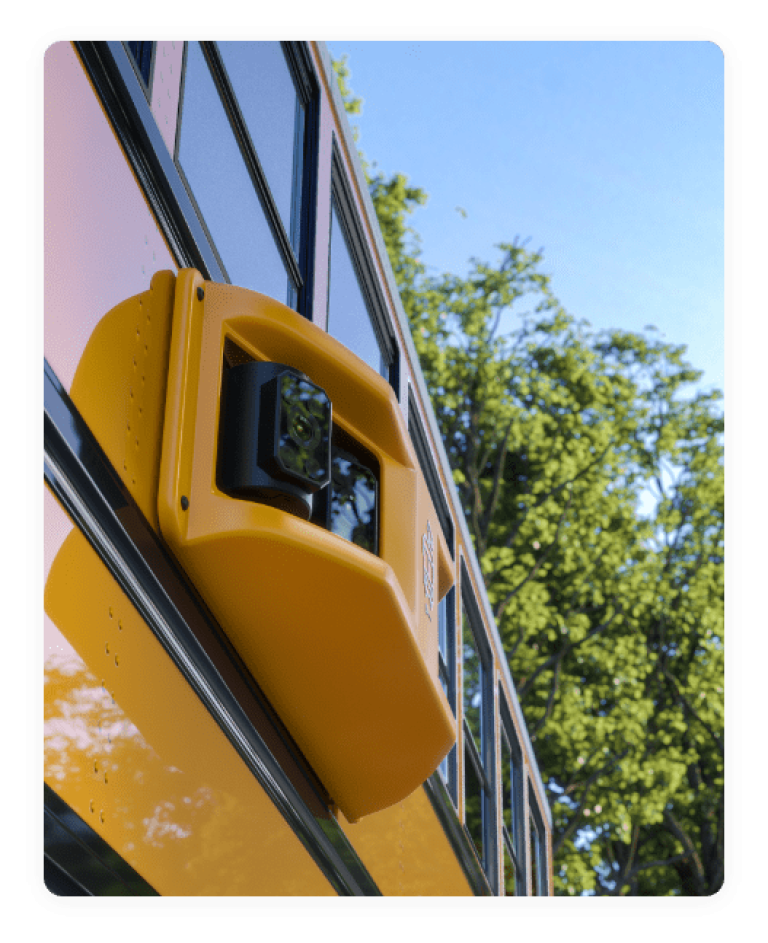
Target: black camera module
[
  {"x": 353, "y": 501},
  {"x": 275, "y": 436},
  {"x": 349, "y": 505},
  {"x": 302, "y": 429}
]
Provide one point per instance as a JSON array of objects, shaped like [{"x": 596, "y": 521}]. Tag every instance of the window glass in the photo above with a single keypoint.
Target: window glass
[
  {"x": 447, "y": 670},
  {"x": 511, "y": 798},
  {"x": 473, "y": 803},
  {"x": 442, "y": 633},
  {"x": 446, "y": 630},
  {"x": 535, "y": 863},
  {"x": 510, "y": 874},
  {"x": 348, "y": 318},
  {"x": 265, "y": 91},
  {"x": 477, "y": 723},
  {"x": 221, "y": 185},
  {"x": 473, "y": 681},
  {"x": 507, "y": 786},
  {"x": 142, "y": 54},
  {"x": 539, "y": 876}
]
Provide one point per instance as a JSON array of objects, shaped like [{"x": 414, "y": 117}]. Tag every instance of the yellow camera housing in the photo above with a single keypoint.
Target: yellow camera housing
[{"x": 343, "y": 643}]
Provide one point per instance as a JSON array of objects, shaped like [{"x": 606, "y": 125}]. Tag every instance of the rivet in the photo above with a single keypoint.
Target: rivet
[
  {"x": 119, "y": 626},
  {"x": 106, "y": 648},
  {"x": 110, "y": 612},
  {"x": 117, "y": 661},
  {"x": 92, "y": 806},
  {"x": 184, "y": 502},
  {"x": 200, "y": 293},
  {"x": 106, "y": 780},
  {"x": 101, "y": 816}
]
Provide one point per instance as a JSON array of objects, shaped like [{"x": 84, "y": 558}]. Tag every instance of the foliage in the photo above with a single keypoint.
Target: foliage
[{"x": 611, "y": 617}]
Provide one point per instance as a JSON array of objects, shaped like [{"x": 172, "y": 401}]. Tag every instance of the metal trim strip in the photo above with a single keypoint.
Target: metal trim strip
[{"x": 82, "y": 479}]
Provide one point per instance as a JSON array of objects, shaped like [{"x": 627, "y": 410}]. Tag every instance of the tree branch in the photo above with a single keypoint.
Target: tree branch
[
  {"x": 679, "y": 832},
  {"x": 550, "y": 701},
  {"x": 539, "y": 563},
  {"x": 493, "y": 500},
  {"x": 684, "y": 701}
]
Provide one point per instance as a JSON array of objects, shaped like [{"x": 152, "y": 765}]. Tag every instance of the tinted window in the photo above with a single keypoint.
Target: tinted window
[
  {"x": 273, "y": 114},
  {"x": 510, "y": 874},
  {"x": 535, "y": 864},
  {"x": 474, "y": 803},
  {"x": 473, "y": 682},
  {"x": 348, "y": 318},
  {"x": 142, "y": 55},
  {"x": 221, "y": 185},
  {"x": 446, "y": 623},
  {"x": 511, "y": 802},
  {"x": 421, "y": 444},
  {"x": 478, "y": 733},
  {"x": 539, "y": 876}
]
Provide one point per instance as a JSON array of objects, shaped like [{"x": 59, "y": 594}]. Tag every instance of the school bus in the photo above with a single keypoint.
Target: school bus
[{"x": 270, "y": 664}]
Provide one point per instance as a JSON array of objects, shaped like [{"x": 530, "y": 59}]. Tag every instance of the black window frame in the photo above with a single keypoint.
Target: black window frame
[
  {"x": 482, "y": 760},
  {"x": 342, "y": 201},
  {"x": 297, "y": 254},
  {"x": 514, "y": 843}
]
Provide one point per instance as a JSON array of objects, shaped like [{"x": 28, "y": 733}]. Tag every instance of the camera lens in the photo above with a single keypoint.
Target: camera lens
[
  {"x": 289, "y": 456},
  {"x": 353, "y": 498},
  {"x": 303, "y": 429}
]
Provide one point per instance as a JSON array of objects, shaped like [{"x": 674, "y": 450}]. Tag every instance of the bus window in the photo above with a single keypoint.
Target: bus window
[
  {"x": 446, "y": 621},
  {"x": 142, "y": 56},
  {"x": 511, "y": 805},
  {"x": 348, "y": 317},
  {"x": 478, "y": 733},
  {"x": 220, "y": 184},
  {"x": 275, "y": 118}
]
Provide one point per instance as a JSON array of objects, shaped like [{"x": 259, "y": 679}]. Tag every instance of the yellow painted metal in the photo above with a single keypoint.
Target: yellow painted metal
[
  {"x": 340, "y": 640},
  {"x": 406, "y": 851},
  {"x": 119, "y": 387},
  {"x": 133, "y": 751}
]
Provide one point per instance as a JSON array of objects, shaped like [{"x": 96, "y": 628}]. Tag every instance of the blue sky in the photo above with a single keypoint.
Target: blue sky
[{"x": 608, "y": 155}]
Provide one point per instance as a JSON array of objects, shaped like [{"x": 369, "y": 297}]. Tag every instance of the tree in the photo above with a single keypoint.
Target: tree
[{"x": 611, "y": 617}]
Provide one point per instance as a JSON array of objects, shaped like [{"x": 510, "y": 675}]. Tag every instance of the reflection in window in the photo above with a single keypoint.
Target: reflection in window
[
  {"x": 446, "y": 622},
  {"x": 473, "y": 680},
  {"x": 274, "y": 115},
  {"x": 511, "y": 881},
  {"x": 216, "y": 174},
  {"x": 479, "y": 759},
  {"x": 348, "y": 318},
  {"x": 534, "y": 851},
  {"x": 511, "y": 805},
  {"x": 142, "y": 56},
  {"x": 474, "y": 805},
  {"x": 539, "y": 880}
]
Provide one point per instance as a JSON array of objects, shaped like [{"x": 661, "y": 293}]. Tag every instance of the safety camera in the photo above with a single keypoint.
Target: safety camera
[
  {"x": 349, "y": 505},
  {"x": 275, "y": 442}
]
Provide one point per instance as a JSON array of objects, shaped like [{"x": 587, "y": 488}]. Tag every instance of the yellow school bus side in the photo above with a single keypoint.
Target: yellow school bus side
[{"x": 134, "y": 752}]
